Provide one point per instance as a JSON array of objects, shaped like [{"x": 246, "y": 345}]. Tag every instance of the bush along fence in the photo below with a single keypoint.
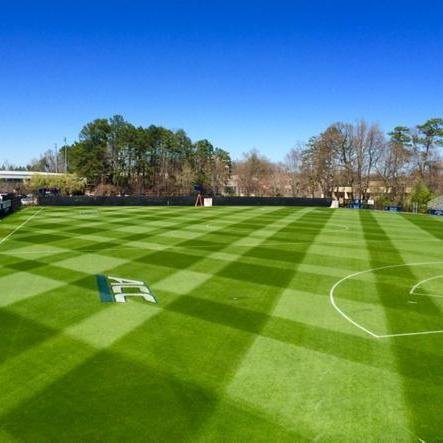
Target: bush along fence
[{"x": 54, "y": 200}]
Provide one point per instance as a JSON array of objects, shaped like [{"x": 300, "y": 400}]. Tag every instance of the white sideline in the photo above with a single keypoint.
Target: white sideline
[
  {"x": 20, "y": 226},
  {"x": 361, "y": 327}
]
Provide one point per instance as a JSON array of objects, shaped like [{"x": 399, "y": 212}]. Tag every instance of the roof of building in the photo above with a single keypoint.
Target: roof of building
[{"x": 22, "y": 175}]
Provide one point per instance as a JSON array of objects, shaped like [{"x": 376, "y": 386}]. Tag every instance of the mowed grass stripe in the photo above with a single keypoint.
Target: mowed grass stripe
[
  {"x": 421, "y": 313},
  {"x": 158, "y": 237},
  {"x": 231, "y": 336},
  {"x": 95, "y": 331},
  {"x": 23, "y": 377},
  {"x": 33, "y": 373},
  {"x": 168, "y": 370},
  {"x": 31, "y": 267},
  {"x": 157, "y": 241},
  {"x": 211, "y": 263},
  {"x": 402, "y": 311},
  {"x": 425, "y": 422},
  {"x": 235, "y": 384},
  {"x": 162, "y": 406},
  {"x": 13, "y": 222},
  {"x": 203, "y": 261},
  {"x": 306, "y": 299},
  {"x": 34, "y": 236},
  {"x": 424, "y": 304},
  {"x": 303, "y": 372},
  {"x": 170, "y": 257},
  {"x": 34, "y": 266},
  {"x": 108, "y": 226},
  {"x": 42, "y": 265},
  {"x": 428, "y": 224}
]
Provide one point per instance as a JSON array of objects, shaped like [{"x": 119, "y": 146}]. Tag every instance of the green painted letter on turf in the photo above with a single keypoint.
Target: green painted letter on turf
[{"x": 104, "y": 290}]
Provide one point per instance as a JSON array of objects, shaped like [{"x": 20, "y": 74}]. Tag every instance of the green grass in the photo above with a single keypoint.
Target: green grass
[{"x": 244, "y": 344}]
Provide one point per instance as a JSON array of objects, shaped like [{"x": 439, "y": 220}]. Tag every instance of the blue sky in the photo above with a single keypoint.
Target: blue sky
[{"x": 244, "y": 74}]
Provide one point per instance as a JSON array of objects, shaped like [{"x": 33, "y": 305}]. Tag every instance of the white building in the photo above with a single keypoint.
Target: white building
[{"x": 21, "y": 176}]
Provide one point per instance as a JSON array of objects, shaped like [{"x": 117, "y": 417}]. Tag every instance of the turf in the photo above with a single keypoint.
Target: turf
[{"x": 244, "y": 343}]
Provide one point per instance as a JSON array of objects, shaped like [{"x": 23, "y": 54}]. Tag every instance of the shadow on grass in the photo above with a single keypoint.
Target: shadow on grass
[
  {"x": 345, "y": 346},
  {"x": 113, "y": 398},
  {"x": 20, "y": 334}
]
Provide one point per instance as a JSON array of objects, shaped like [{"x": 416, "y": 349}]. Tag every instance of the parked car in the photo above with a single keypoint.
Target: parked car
[{"x": 28, "y": 200}]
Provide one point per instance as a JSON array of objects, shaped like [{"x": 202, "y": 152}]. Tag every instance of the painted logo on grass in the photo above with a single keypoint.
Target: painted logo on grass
[{"x": 115, "y": 289}]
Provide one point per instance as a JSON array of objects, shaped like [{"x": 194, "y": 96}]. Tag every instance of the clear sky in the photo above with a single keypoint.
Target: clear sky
[{"x": 244, "y": 74}]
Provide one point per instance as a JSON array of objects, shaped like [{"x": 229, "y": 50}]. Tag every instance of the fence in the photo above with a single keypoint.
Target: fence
[
  {"x": 8, "y": 204},
  {"x": 83, "y": 200},
  {"x": 271, "y": 201}
]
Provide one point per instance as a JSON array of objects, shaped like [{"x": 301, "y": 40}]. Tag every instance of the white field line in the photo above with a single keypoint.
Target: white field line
[
  {"x": 412, "y": 291},
  {"x": 349, "y": 319},
  {"x": 4, "y": 239},
  {"x": 358, "y": 325},
  {"x": 414, "y": 435},
  {"x": 407, "y": 334}
]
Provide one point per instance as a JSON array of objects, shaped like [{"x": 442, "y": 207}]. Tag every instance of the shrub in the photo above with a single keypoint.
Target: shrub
[
  {"x": 68, "y": 184},
  {"x": 421, "y": 196}
]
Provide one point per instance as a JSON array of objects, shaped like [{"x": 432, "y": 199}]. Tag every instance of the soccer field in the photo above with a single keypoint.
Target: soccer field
[{"x": 271, "y": 324}]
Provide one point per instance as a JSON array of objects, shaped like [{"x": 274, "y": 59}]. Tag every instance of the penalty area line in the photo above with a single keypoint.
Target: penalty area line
[
  {"x": 358, "y": 325},
  {"x": 413, "y": 289},
  {"x": 407, "y": 334},
  {"x": 345, "y": 316}
]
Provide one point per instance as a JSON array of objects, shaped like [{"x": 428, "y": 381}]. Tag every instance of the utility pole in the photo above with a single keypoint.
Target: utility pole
[
  {"x": 56, "y": 157},
  {"x": 66, "y": 156}
]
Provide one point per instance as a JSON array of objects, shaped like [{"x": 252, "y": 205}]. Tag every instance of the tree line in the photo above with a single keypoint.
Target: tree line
[
  {"x": 118, "y": 157},
  {"x": 354, "y": 156}
]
